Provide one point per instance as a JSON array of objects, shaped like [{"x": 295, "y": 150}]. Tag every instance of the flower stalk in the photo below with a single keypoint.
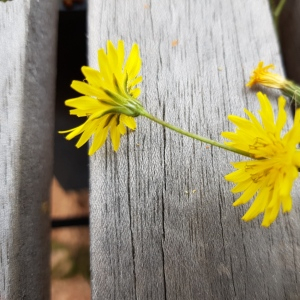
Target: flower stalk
[
  {"x": 276, "y": 11},
  {"x": 194, "y": 136},
  {"x": 292, "y": 90}
]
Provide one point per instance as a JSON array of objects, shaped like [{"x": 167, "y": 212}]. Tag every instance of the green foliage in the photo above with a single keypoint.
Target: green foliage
[
  {"x": 70, "y": 261},
  {"x": 276, "y": 8}
]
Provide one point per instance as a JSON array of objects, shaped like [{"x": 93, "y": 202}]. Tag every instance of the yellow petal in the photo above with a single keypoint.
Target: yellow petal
[
  {"x": 115, "y": 136},
  {"x": 286, "y": 204},
  {"x": 240, "y": 122},
  {"x": 242, "y": 186},
  {"x": 271, "y": 214},
  {"x": 133, "y": 64},
  {"x": 121, "y": 54},
  {"x": 112, "y": 56},
  {"x": 99, "y": 139},
  {"x": 84, "y": 102},
  {"x": 88, "y": 90},
  {"x": 88, "y": 132},
  {"x": 258, "y": 206},
  {"x": 92, "y": 76},
  {"x": 135, "y": 93},
  {"x": 248, "y": 194},
  {"x": 134, "y": 82},
  {"x": 281, "y": 119},
  {"x": 121, "y": 128},
  {"x": 237, "y": 176},
  {"x": 104, "y": 67},
  {"x": 128, "y": 121},
  {"x": 74, "y": 131}
]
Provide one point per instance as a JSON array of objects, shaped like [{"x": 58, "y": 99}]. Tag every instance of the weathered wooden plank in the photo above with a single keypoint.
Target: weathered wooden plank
[
  {"x": 27, "y": 91},
  {"x": 151, "y": 236}
]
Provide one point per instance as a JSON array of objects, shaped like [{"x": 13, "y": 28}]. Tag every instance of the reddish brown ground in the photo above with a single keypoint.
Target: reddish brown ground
[{"x": 70, "y": 246}]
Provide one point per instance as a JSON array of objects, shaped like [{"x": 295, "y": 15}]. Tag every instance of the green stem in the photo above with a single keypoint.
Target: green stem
[
  {"x": 292, "y": 90},
  {"x": 279, "y": 8},
  {"x": 192, "y": 135},
  {"x": 276, "y": 11}
]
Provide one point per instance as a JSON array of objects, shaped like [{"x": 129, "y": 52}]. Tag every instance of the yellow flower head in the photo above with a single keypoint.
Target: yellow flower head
[
  {"x": 270, "y": 175},
  {"x": 110, "y": 97},
  {"x": 262, "y": 75}
]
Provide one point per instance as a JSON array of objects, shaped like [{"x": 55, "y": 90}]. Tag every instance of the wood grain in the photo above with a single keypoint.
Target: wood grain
[
  {"x": 162, "y": 221},
  {"x": 27, "y": 89}
]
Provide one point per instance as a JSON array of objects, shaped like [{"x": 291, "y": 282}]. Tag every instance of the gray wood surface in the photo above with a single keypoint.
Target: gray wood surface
[
  {"x": 152, "y": 237},
  {"x": 27, "y": 90}
]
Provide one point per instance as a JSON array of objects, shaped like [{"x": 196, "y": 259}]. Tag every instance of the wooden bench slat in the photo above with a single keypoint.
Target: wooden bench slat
[
  {"x": 27, "y": 89},
  {"x": 151, "y": 236}
]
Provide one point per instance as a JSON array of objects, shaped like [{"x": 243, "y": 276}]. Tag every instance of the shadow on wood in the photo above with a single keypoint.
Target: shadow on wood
[{"x": 27, "y": 90}]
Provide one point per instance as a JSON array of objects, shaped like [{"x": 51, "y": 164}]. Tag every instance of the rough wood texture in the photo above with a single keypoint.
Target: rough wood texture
[
  {"x": 290, "y": 38},
  {"x": 162, "y": 223},
  {"x": 27, "y": 90}
]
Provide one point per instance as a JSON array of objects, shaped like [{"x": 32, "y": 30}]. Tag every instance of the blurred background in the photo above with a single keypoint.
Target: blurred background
[{"x": 69, "y": 191}]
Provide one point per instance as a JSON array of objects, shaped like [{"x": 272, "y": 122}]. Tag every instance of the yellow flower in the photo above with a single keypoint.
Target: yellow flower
[
  {"x": 262, "y": 75},
  {"x": 270, "y": 175},
  {"x": 110, "y": 97}
]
